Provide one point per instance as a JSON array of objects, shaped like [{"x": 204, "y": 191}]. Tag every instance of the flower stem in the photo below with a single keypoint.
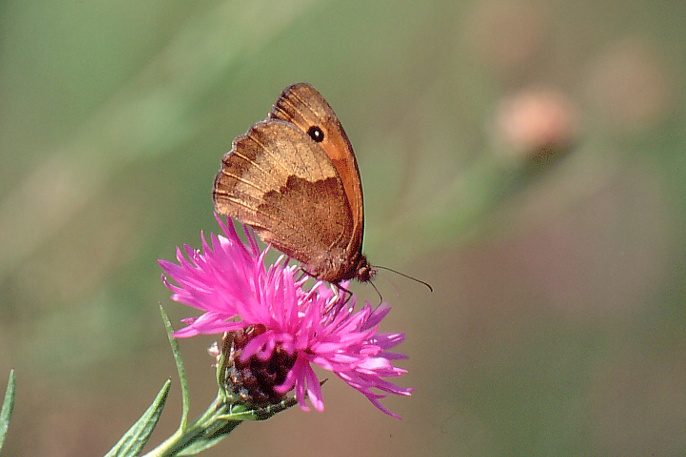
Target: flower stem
[{"x": 203, "y": 433}]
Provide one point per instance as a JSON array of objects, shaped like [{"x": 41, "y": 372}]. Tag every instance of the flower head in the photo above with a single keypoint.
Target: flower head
[{"x": 228, "y": 281}]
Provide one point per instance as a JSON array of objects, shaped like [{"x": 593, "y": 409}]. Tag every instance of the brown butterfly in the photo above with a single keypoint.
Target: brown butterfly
[{"x": 293, "y": 177}]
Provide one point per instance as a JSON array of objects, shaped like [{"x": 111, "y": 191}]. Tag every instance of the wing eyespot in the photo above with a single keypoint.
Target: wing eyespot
[{"x": 316, "y": 134}]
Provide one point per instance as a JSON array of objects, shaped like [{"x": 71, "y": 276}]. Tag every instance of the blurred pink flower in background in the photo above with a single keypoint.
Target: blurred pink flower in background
[{"x": 536, "y": 123}]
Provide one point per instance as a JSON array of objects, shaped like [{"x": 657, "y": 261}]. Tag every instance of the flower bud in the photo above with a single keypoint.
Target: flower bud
[{"x": 537, "y": 124}]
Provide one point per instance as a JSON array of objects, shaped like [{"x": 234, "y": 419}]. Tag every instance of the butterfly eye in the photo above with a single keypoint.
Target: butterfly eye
[{"x": 316, "y": 134}]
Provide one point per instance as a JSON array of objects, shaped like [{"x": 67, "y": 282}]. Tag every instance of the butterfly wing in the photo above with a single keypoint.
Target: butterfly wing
[
  {"x": 303, "y": 106},
  {"x": 278, "y": 180}
]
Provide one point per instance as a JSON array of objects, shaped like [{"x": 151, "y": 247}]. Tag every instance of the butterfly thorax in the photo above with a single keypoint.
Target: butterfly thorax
[{"x": 337, "y": 265}]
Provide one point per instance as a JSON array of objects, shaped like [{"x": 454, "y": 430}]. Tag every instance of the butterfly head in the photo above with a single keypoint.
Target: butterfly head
[{"x": 363, "y": 271}]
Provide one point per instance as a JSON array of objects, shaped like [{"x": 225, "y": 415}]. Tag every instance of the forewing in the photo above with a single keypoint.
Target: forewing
[
  {"x": 302, "y": 105},
  {"x": 278, "y": 180}
]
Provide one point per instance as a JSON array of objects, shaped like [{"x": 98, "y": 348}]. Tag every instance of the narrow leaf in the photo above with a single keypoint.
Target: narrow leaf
[
  {"x": 208, "y": 439},
  {"x": 132, "y": 443},
  {"x": 272, "y": 410},
  {"x": 185, "y": 396},
  {"x": 7, "y": 407}
]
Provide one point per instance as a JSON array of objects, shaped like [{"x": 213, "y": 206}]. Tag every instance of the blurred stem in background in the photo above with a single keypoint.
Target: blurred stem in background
[{"x": 152, "y": 109}]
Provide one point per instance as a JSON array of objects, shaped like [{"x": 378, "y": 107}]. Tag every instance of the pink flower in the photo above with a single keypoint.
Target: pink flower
[{"x": 228, "y": 281}]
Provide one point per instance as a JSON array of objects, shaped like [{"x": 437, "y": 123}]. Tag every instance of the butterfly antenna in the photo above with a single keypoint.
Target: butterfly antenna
[
  {"x": 377, "y": 292},
  {"x": 378, "y": 267}
]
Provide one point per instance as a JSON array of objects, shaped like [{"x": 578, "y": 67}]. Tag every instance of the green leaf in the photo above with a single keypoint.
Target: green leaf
[
  {"x": 185, "y": 396},
  {"x": 7, "y": 407},
  {"x": 208, "y": 439},
  {"x": 241, "y": 413},
  {"x": 199, "y": 446},
  {"x": 132, "y": 443}
]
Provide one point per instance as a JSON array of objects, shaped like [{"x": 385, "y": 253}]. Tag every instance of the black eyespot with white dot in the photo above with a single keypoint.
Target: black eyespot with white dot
[{"x": 316, "y": 134}]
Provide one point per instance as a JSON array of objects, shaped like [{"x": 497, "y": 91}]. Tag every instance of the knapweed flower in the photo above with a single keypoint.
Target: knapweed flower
[{"x": 279, "y": 320}]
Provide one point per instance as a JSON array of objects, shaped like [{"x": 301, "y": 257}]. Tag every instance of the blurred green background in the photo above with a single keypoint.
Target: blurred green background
[{"x": 558, "y": 325}]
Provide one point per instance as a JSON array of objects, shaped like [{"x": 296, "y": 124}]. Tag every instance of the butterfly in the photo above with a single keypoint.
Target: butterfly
[{"x": 294, "y": 178}]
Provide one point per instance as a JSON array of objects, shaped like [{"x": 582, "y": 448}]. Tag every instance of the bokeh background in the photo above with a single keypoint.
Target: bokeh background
[{"x": 525, "y": 157}]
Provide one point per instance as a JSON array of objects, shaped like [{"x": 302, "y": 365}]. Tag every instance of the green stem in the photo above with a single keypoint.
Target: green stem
[{"x": 213, "y": 422}]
